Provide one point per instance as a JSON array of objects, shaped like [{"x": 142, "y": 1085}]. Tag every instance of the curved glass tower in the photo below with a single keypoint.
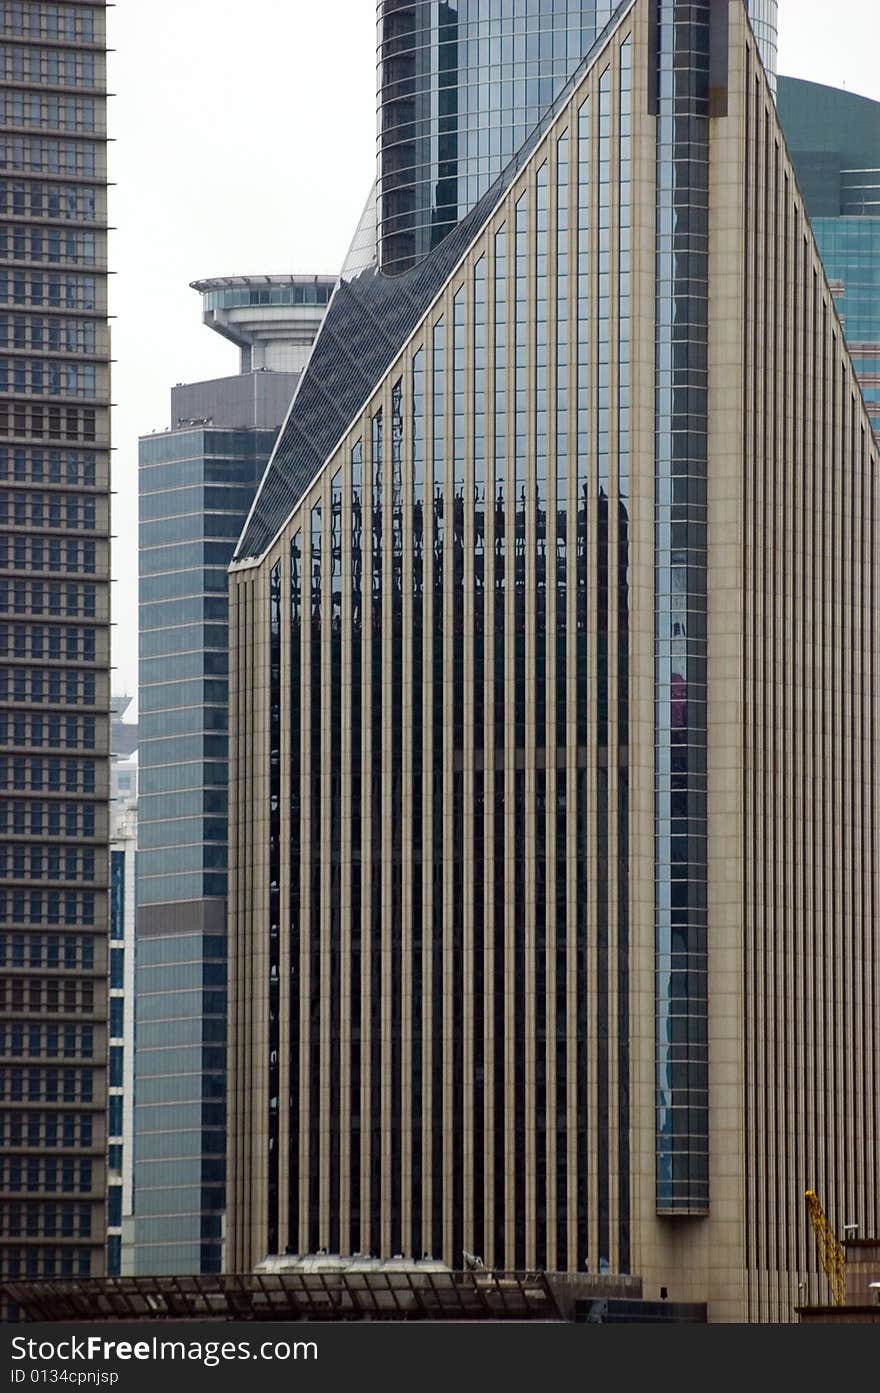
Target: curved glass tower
[
  {"x": 764, "y": 17},
  {"x": 460, "y": 84}
]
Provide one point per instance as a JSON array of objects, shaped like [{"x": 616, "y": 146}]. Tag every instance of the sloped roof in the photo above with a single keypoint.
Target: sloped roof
[{"x": 368, "y": 321}]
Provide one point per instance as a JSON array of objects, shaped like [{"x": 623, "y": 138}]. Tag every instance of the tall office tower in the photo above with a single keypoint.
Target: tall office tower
[
  {"x": 834, "y": 139},
  {"x": 54, "y": 637},
  {"x": 197, "y": 482},
  {"x": 553, "y": 708},
  {"x": 461, "y": 85}
]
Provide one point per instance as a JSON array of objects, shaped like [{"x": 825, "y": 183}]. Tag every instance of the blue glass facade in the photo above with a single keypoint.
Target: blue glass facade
[
  {"x": 196, "y": 486},
  {"x": 680, "y": 600},
  {"x": 462, "y": 83},
  {"x": 850, "y": 250},
  {"x": 195, "y": 489},
  {"x": 763, "y": 15}
]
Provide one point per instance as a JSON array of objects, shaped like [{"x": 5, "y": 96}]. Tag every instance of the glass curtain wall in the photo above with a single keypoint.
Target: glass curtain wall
[{"x": 461, "y": 85}]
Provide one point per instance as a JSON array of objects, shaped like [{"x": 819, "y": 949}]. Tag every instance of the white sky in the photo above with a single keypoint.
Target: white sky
[{"x": 244, "y": 143}]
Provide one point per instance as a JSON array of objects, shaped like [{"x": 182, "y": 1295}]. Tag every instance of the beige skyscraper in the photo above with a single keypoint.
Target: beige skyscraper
[
  {"x": 54, "y": 638},
  {"x": 554, "y": 692}
]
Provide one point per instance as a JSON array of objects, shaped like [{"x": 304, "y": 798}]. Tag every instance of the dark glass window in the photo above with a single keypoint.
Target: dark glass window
[
  {"x": 377, "y": 814},
  {"x": 357, "y": 1239},
  {"x": 313, "y": 889},
  {"x": 395, "y": 828},
  {"x": 419, "y": 600},
  {"x": 680, "y": 836},
  {"x": 296, "y": 802},
  {"x": 274, "y": 893},
  {"x": 500, "y": 1248},
  {"x": 438, "y": 715}
]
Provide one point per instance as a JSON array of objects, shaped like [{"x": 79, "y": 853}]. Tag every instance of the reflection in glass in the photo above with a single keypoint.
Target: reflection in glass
[
  {"x": 624, "y": 222},
  {"x": 582, "y": 693},
  {"x": 476, "y": 966},
  {"x": 522, "y": 403},
  {"x": 496, "y": 789},
  {"x": 680, "y": 600},
  {"x": 603, "y": 421},
  {"x": 395, "y": 822},
  {"x": 335, "y": 834},
  {"x": 377, "y": 499},
  {"x": 459, "y": 383},
  {"x": 438, "y": 1042},
  {"x": 357, "y": 859},
  {"x": 460, "y": 88},
  {"x": 417, "y": 940},
  {"x": 561, "y": 534}
]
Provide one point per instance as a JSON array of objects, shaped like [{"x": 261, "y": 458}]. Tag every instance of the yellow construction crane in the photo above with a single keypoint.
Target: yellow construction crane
[{"x": 831, "y": 1251}]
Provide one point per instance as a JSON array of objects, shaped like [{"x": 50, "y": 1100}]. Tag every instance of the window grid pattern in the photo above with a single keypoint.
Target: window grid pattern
[
  {"x": 604, "y": 639},
  {"x": 806, "y": 932},
  {"x": 418, "y": 880},
  {"x": 475, "y": 957},
  {"x": 515, "y": 801},
  {"x": 195, "y": 486},
  {"x": 496, "y": 803},
  {"x": 378, "y": 832},
  {"x": 850, "y": 247},
  {"x": 54, "y": 613},
  {"x": 460, "y": 88},
  {"x": 483, "y": 398},
  {"x": 296, "y": 660},
  {"x": 680, "y": 652},
  {"x": 454, "y": 790},
  {"x": 359, "y": 810},
  {"x": 333, "y": 914},
  {"x": 274, "y": 947},
  {"x": 559, "y": 971},
  {"x": 316, "y": 810},
  {"x": 810, "y": 627},
  {"x": 624, "y": 339},
  {"x": 438, "y": 1037},
  {"x": 122, "y": 855},
  {"x": 49, "y": 67},
  {"x": 581, "y": 469}
]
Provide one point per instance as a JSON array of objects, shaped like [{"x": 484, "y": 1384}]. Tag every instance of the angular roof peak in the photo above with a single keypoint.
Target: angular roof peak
[{"x": 368, "y": 321}]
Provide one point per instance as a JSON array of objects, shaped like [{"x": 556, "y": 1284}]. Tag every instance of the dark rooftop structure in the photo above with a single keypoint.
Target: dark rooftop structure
[{"x": 382, "y": 1291}]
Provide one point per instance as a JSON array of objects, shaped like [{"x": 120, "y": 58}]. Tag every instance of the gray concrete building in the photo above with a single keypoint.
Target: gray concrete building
[
  {"x": 553, "y": 718},
  {"x": 54, "y": 639}
]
